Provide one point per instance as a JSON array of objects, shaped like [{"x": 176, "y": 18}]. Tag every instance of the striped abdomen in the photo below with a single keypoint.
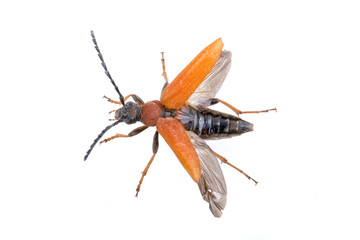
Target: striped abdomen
[{"x": 212, "y": 124}]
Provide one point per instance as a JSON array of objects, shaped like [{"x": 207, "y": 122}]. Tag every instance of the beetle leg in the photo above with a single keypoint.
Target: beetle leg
[
  {"x": 131, "y": 134},
  {"x": 224, "y": 160},
  {"x": 155, "y": 149},
  {"x": 136, "y": 98},
  {"x": 112, "y": 101},
  {"x": 164, "y": 72},
  {"x": 163, "y": 67},
  {"x": 237, "y": 111}
]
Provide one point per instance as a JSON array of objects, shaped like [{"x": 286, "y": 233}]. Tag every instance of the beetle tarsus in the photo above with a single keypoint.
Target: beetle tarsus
[
  {"x": 163, "y": 67},
  {"x": 260, "y": 111},
  {"x": 164, "y": 73}
]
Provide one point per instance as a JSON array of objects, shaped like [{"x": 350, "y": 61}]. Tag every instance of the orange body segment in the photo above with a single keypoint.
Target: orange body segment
[
  {"x": 175, "y": 135},
  {"x": 184, "y": 85}
]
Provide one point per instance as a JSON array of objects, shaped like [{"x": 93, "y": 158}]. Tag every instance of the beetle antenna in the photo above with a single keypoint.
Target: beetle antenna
[
  {"x": 105, "y": 68},
  {"x": 100, "y": 136}
]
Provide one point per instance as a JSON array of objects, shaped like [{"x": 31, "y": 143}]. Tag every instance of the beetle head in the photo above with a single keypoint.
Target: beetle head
[{"x": 130, "y": 113}]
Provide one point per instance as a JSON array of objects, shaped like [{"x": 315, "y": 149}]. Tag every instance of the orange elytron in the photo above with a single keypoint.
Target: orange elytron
[{"x": 183, "y": 119}]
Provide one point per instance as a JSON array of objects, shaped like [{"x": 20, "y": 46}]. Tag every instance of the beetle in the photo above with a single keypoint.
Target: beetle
[{"x": 183, "y": 118}]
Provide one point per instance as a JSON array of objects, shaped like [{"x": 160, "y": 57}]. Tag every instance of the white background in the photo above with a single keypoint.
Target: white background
[{"x": 301, "y": 57}]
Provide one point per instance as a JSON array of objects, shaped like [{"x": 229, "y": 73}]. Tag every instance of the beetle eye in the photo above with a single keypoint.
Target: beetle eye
[{"x": 118, "y": 113}]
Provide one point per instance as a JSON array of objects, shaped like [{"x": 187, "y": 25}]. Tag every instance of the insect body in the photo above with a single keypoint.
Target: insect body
[{"x": 183, "y": 119}]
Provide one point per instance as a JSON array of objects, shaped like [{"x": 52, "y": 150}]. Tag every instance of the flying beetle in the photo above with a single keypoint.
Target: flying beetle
[{"x": 183, "y": 119}]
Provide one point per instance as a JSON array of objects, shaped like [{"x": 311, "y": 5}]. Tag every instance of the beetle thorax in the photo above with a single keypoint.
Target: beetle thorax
[{"x": 151, "y": 112}]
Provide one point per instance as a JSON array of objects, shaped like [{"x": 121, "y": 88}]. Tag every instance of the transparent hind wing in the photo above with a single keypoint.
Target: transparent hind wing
[
  {"x": 212, "y": 83},
  {"x": 212, "y": 183}
]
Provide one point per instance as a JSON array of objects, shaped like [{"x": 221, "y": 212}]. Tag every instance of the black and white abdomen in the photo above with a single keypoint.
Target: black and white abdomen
[{"x": 211, "y": 124}]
